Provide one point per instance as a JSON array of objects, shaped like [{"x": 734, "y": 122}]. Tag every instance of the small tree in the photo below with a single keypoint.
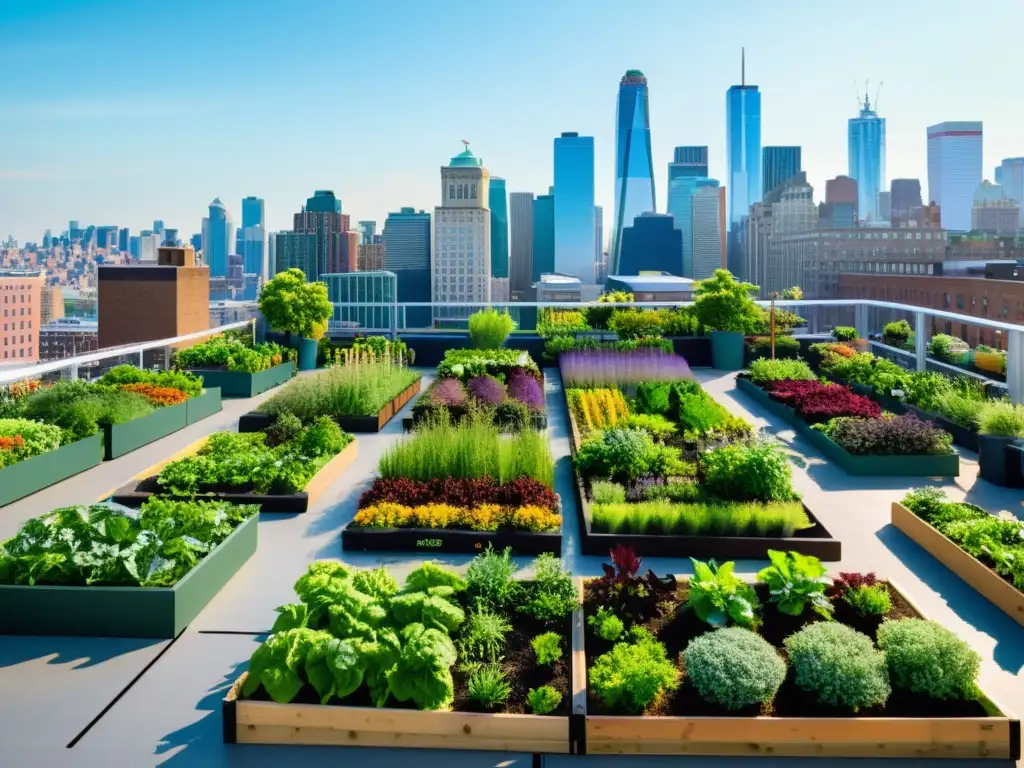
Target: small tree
[
  {"x": 292, "y": 305},
  {"x": 722, "y": 303},
  {"x": 489, "y": 328},
  {"x": 796, "y": 293}
]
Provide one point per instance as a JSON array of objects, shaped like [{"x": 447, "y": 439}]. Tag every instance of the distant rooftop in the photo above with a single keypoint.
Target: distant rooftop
[
  {"x": 654, "y": 283},
  {"x": 466, "y": 159},
  {"x": 21, "y": 273},
  {"x": 633, "y": 77}
]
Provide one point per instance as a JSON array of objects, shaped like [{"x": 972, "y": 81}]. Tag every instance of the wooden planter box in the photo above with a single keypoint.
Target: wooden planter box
[
  {"x": 143, "y": 485},
  {"x": 256, "y": 421},
  {"x": 930, "y": 738},
  {"x": 260, "y": 722},
  {"x": 26, "y": 477},
  {"x": 206, "y": 404},
  {"x": 242, "y": 384},
  {"x": 947, "y": 465},
  {"x": 816, "y": 541},
  {"x": 979, "y": 576},
  {"x": 119, "y": 439},
  {"x": 152, "y": 612}
]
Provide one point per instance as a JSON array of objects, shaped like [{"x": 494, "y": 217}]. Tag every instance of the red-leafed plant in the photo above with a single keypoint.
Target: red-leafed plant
[
  {"x": 459, "y": 492},
  {"x": 847, "y": 582},
  {"x": 817, "y": 403},
  {"x": 624, "y": 590}
]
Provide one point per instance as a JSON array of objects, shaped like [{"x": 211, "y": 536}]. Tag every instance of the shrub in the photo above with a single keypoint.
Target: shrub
[
  {"x": 622, "y": 455},
  {"x": 543, "y": 700},
  {"x": 448, "y": 392},
  {"x": 925, "y": 657},
  {"x": 1001, "y": 418},
  {"x": 633, "y": 674},
  {"x": 547, "y": 648},
  {"x": 460, "y": 492},
  {"x": 550, "y": 594},
  {"x": 815, "y": 402},
  {"x": 489, "y": 687},
  {"x": 489, "y": 579},
  {"x": 721, "y": 303},
  {"x": 606, "y": 624},
  {"x": 598, "y": 316},
  {"x": 552, "y": 323},
  {"x": 680, "y": 322},
  {"x": 489, "y": 328},
  {"x": 838, "y": 666},
  {"x": 283, "y": 429},
  {"x": 635, "y": 324},
  {"x": 604, "y": 492},
  {"x": 22, "y": 439},
  {"x": 734, "y": 667},
  {"x": 785, "y": 321},
  {"x": 183, "y": 381},
  {"x": 291, "y": 304},
  {"x": 867, "y": 600},
  {"x": 652, "y": 397},
  {"x": 483, "y": 636},
  {"x": 896, "y": 334},
  {"x": 81, "y": 409},
  {"x": 527, "y": 390},
  {"x": 762, "y": 371},
  {"x": 487, "y": 389},
  {"x": 232, "y": 354},
  {"x": 844, "y": 333},
  {"x": 786, "y": 347},
  {"x": 512, "y": 416},
  {"x": 960, "y": 409},
  {"x": 755, "y": 470},
  {"x": 890, "y": 436},
  {"x": 693, "y": 518},
  {"x": 658, "y": 426},
  {"x": 161, "y": 397}
]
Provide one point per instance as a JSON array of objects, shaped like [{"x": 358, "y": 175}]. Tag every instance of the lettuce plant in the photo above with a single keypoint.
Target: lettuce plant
[
  {"x": 796, "y": 582},
  {"x": 718, "y": 596}
]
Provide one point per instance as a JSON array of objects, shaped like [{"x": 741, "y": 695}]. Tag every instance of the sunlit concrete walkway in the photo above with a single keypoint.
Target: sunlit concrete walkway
[{"x": 87, "y": 702}]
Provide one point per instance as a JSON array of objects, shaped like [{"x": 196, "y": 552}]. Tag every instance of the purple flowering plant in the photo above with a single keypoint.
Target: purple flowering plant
[
  {"x": 525, "y": 388},
  {"x": 487, "y": 389},
  {"x": 600, "y": 368}
]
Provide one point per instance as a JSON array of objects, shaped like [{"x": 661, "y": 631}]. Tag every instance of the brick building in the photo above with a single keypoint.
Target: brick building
[
  {"x": 20, "y": 299},
  {"x": 145, "y": 302}
]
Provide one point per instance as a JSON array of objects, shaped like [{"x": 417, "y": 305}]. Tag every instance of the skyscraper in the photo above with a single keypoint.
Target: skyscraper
[
  {"x": 521, "y": 262},
  {"x": 251, "y": 242},
  {"x": 779, "y": 165},
  {"x": 574, "y": 206},
  {"x": 954, "y": 170},
  {"x": 839, "y": 211},
  {"x": 598, "y": 243},
  {"x": 407, "y": 254},
  {"x": 543, "y": 235},
  {"x": 253, "y": 212},
  {"x": 689, "y": 165},
  {"x": 218, "y": 238},
  {"x": 122, "y": 240},
  {"x": 867, "y": 159},
  {"x": 905, "y": 197},
  {"x": 651, "y": 244},
  {"x": 1010, "y": 174},
  {"x": 498, "y": 203},
  {"x": 708, "y": 237},
  {"x": 743, "y": 157},
  {"x": 315, "y": 243},
  {"x": 634, "y": 169},
  {"x": 461, "y": 272},
  {"x": 367, "y": 230}
]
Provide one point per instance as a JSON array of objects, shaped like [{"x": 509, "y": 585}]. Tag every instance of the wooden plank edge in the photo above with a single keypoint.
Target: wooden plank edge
[
  {"x": 229, "y": 711},
  {"x": 330, "y": 472},
  {"x": 980, "y": 577},
  {"x": 578, "y": 678}
]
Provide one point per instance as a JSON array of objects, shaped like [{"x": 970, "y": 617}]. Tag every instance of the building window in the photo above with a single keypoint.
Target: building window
[
  {"x": 473, "y": 192},
  {"x": 959, "y": 301},
  {"x": 451, "y": 191},
  {"x": 459, "y": 192}
]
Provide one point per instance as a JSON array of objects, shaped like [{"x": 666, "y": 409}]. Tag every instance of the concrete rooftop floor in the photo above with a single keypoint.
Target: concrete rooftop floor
[{"x": 121, "y": 702}]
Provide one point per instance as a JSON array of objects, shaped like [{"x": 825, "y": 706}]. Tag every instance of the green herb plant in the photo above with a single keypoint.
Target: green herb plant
[
  {"x": 718, "y": 596},
  {"x": 796, "y": 582}
]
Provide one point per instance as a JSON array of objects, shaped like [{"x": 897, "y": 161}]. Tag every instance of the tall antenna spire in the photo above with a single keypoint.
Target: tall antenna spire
[{"x": 743, "y": 65}]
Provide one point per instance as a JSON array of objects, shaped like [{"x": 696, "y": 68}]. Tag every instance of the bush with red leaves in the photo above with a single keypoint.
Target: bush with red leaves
[
  {"x": 817, "y": 403},
  {"x": 471, "y": 493},
  {"x": 847, "y": 582}
]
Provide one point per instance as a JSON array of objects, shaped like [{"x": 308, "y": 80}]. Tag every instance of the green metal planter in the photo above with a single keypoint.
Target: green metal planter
[
  {"x": 946, "y": 465},
  {"x": 307, "y": 354},
  {"x": 120, "y": 439},
  {"x": 127, "y": 611},
  {"x": 207, "y": 404},
  {"x": 242, "y": 384},
  {"x": 726, "y": 350},
  {"x": 26, "y": 477}
]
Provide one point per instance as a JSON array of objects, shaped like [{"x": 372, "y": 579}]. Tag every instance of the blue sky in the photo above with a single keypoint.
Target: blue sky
[{"x": 124, "y": 111}]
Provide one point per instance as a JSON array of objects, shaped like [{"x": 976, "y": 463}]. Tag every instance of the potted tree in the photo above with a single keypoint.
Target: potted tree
[
  {"x": 301, "y": 309},
  {"x": 896, "y": 334},
  {"x": 726, "y": 307},
  {"x": 1000, "y": 423}
]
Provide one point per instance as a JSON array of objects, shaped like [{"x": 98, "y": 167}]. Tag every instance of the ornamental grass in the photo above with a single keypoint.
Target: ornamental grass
[
  {"x": 486, "y": 517},
  {"x": 598, "y": 368},
  {"x": 473, "y": 448},
  {"x": 665, "y": 518}
]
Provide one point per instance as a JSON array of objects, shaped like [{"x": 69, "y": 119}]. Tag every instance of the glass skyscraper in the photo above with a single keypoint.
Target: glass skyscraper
[
  {"x": 362, "y": 288},
  {"x": 218, "y": 238},
  {"x": 574, "y": 207},
  {"x": 867, "y": 159},
  {"x": 543, "y": 234},
  {"x": 779, "y": 165},
  {"x": 955, "y": 170},
  {"x": 407, "y": 254},
  {"x": 498, "y": 203},
  {"x": 634, "y": 169},
  {"x": 649, "y": 244},
  {"x": 689, "y": 165},
  {"x": 743, "y": 148},
  {"x": 253, "y": 212}
]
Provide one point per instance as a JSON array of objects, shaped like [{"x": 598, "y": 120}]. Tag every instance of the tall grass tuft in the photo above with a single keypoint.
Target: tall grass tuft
[
  {"x": 473, "y": 448},
  {"x": 666, "y": 518}
]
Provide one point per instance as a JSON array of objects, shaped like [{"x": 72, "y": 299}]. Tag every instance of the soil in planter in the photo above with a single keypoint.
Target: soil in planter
[{"x": 675, "y": 626}]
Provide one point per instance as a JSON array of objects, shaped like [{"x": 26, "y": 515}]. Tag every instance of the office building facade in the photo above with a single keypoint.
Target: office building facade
[
  {"x": 743, "y": 148},
  {"x": 371, "y": 257},
  {"x": 407, "y": 240},
  {"x": 708, "y": 213},
  {"x": 21, "y": 302},
  {"x": 317, "y": 243},
  {"x": 376, "y": 287},
  {"x": 367, "y": 231},
  {"x": 992, "y": 212},
  {"x": 688, "y": 167},
  {"x": 218, "y": 239},
  {"x": 866, "y": 144},
  {"x": 543, "y": 235},
  {"x": 497, "y": 201},
  {"x": 779, "y": 165},
  {"x": 904, "y": 200},
  {"x": 651, "y": 244},
  {"x": 1010, "y": 175},
  {"x": 634, "y": 167},
  {"x": 574, "y": 206},
  {"x": 598, "y": 243},
  {"x": 520, "y": 206},
  {"x": 955, "y": 170}
]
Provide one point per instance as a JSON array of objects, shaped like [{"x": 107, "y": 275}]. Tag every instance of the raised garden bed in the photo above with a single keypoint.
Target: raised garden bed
[
  {"x": 256, "y": 421},
  {"x": 453, "y": 720},
  {"x": 156, "y": 612},
  {"x": 206, "y": 404},
  {"x": 947, "y": 465},
  {"x": 979, "y": 576},
  {"x": 119, "y": 439},
  {"x": 538, "y": 422},
  {"x": 815, "y": 541},
  {"x": 356, "y": 538},
  {"x": 144, "y": 485},
  {"x": 242, "y": 384},
  {"x": 33, "y": 474},
  {"x": 908, "y": 726}
]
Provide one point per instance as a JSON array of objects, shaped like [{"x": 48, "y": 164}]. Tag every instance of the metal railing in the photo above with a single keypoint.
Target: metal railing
[{"x": 452, "y": 317}]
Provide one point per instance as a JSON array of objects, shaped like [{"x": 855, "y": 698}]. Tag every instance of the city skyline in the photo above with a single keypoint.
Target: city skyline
[{"x": 154, "y": 147}]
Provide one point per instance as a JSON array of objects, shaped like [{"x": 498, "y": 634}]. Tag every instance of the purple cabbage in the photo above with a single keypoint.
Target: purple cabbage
[
  {"x": 525, "y": 388},
  {"x": 448, "y": 392},
  {"x": 613, "y": 368},
  {"x": 487, "y": 389}
]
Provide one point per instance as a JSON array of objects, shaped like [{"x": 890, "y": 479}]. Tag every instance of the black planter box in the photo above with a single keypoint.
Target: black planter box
[
  {"x": 962, "y": 436},
  {"x": 355, "y": 538},
  {"x": 696, "y": 349},
  {"x": 997, "y": 463}
]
